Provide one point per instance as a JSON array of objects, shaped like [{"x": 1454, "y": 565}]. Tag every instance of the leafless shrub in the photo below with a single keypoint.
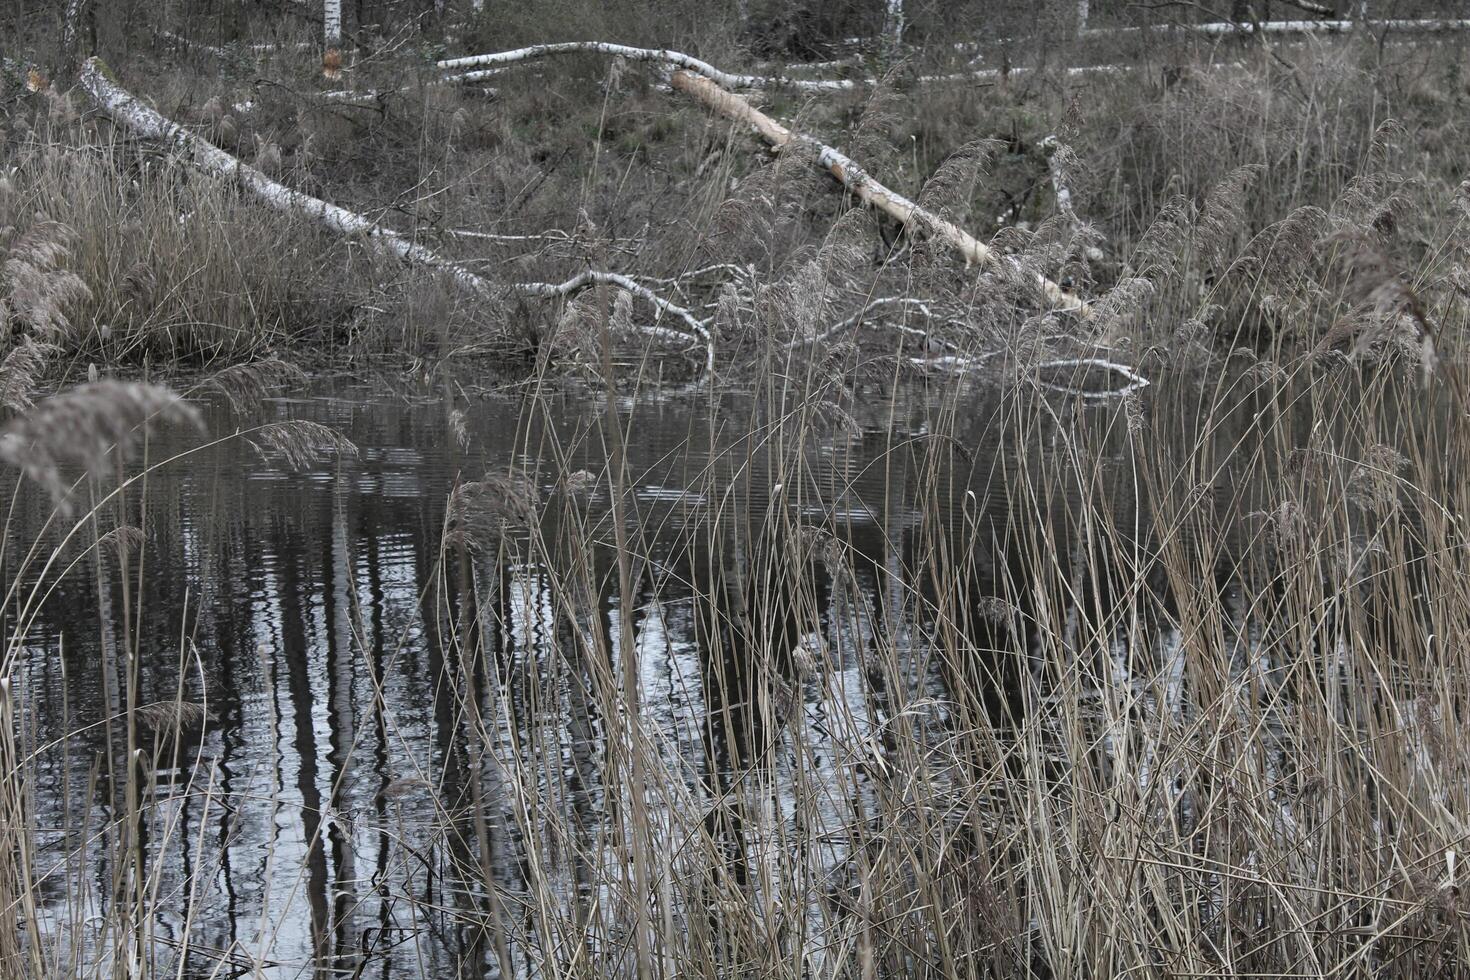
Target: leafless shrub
[
  {"x": 1223, "y": 216},
  {"x": 121, "y": 540},
  {"x": 458, "y": 429},
  {"x": 948, "y": 189},
  {"x": 1165, "y": 243},
  {"x": 173, "y": 716},
  {"x": 39, "y": 291},
  {"x": 243, "y": 386}
]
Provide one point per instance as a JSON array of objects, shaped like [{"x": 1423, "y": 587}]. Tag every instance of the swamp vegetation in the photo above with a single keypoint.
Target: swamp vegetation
[{"x": 848, "y": 490}]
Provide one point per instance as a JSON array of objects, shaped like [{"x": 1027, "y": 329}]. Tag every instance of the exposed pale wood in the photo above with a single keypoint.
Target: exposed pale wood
[
  {"x": 866, "y": 188},
  {"x": 490, "y": 63}
]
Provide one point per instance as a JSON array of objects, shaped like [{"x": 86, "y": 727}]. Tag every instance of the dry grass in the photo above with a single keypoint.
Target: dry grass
[{"x": 1168, "y": 684}]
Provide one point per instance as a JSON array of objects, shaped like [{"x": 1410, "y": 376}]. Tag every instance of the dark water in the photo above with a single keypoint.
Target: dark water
[{"x": 315, "y": 825}]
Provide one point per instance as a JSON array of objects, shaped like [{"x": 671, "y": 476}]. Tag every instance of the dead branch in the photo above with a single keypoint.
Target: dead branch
[
  {"x": 867, "y": 189},
  {"x": 586, "y": 280}
]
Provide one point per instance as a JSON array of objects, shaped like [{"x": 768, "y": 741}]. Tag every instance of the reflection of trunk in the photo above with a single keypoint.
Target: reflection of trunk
[
  {"x": 375, "y": 646},
  {"x": 450, "y": 749},
  {"x": 296, "y": 654},
  {"x": 469, "y": 643},
  {"x": 341, "y": 671}
]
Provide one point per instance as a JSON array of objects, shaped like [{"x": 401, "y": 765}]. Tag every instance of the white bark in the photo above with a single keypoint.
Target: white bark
[
  {"x": 1060, "y": 190},
  {"x": 71, "y": 29},
  {"x": 332, "y": 23},
  {"x": 660, "y": 55},
  {"x": 893, "y": 26},
  {"x": 1321, "y": 10},
  {"x": 1292, "y": 27},
  {"x": 1083, "y": 10},
  {"x": 490, "y": 63},
  {"x": 864, "y": 187},
  {"x": 1134, "y": 381},
  {"x": 130, "y": 113}
]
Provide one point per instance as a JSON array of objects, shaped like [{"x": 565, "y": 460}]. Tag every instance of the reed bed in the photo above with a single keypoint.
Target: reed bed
[{"x": 1159, "y": 681}]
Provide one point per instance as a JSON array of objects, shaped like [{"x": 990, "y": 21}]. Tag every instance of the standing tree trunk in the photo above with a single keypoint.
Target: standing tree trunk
[
  {"x": 77, "y": 21},
  {"x": 332, "y": 23},
  {"x": 893, "y": 27},
  {"x": 332, "y": 38},
  {"x": 1082, "y": 13}
]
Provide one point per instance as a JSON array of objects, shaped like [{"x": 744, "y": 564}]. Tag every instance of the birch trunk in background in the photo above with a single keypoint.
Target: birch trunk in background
[
  {"x": 864, "y": 187},
  {"x": 332, "y": 23},
  {"x": 71, "y": 32},
  {"x": 1082, "y": 13},
  {"x": 893, "y": 27}
]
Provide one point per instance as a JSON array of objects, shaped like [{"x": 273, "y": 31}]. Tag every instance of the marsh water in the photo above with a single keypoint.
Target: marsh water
[{"x": 320, "y": 823}]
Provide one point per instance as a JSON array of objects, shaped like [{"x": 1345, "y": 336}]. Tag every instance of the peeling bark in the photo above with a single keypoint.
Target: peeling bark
[
  {"x": 590, "y": 278},
  {"x": 658, "y": 55}
]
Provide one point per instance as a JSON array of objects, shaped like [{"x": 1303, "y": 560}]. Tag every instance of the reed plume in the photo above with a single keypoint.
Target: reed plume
[
  {"x": 301, "y": 444},
  {"x": 89, "y": 428},
  {"x": 38, "y": 291}
]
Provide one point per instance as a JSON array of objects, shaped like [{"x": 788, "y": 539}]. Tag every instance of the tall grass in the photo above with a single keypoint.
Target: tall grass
[{"x": 1167, "y": 684}]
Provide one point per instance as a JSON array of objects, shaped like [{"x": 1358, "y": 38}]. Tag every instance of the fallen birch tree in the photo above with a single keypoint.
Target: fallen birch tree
[
  {"x": 663, "y": 56},
  {"x": 127, "y": 111},
  {"x": 143, "y": 121},
  {"x": 485, "y": 65},
  {"x": 695, "y": 326},
  {"x": 1226, "y": 28},
  {"x": 864, "y": 187}
]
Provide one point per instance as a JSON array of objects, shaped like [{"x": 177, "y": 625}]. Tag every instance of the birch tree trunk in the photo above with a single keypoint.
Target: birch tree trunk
[
  {"x": 893, "y": 27},
  {"x": 72, "y": 29},
  {"x": 332, "y": 23}
]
